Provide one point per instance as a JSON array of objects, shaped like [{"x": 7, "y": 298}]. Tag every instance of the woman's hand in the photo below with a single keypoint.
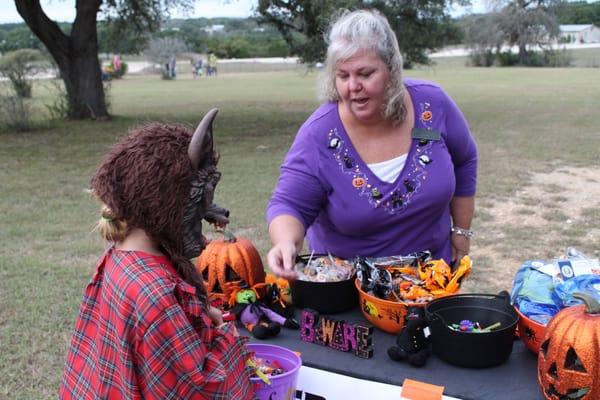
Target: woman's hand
[
  {"x": 281, "y": 259},
  {"x": 287, "y": 235},
  {"x": 460, "y": 248}
]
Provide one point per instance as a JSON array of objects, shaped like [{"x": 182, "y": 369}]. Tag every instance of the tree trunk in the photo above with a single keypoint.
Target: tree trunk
[
  {"x": 522, "y": 54},
  {"x": 522, "y": 22},
  {"x": 83, "y": 77},
  {"x": 76, "y": 55}
]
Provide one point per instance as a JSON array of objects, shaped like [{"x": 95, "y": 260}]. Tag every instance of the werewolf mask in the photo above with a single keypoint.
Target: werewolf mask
[{"x": 200, "y": 205}]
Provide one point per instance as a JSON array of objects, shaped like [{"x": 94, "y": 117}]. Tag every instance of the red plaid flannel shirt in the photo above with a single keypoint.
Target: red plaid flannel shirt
[{"x": 142, "y": 334}]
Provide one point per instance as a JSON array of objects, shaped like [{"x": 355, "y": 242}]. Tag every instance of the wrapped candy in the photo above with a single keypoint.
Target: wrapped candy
[{"x": 324, "y": 269}]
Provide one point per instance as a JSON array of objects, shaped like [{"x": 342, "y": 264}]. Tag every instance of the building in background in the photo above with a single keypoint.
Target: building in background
[{"x": 582, "y": 33}]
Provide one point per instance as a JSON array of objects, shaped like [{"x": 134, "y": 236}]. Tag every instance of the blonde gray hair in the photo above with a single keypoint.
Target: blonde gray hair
[{"x": 352, "y": 31}]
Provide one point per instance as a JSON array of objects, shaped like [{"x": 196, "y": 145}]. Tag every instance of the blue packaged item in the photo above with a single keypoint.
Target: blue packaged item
[
  {"x": 532, "y": 292},
  {"x": 542, "y": 288},
  {"x": 590, "y": 284}
]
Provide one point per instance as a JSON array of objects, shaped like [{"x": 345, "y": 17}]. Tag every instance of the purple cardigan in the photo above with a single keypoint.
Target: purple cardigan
[{"x": 348, "y": 211}]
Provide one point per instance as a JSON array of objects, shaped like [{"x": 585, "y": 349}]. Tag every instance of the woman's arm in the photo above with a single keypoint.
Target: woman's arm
[
  {"x": 462, "y": 210},
  {"x": 287, "y": 236},
  {"x": 299, "y": 196}
]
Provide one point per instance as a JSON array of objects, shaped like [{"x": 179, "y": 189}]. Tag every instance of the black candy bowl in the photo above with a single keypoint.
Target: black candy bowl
[
  {"x": 470, "y": 349},
  {"x": 324, "y": 297}
]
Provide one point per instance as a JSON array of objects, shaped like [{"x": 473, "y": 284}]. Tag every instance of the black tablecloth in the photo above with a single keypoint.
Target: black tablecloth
[{"x": 516, "y": 379}]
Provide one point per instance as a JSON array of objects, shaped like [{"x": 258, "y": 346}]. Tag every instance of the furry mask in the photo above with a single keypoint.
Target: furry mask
[{"x": 161, "y": 178}]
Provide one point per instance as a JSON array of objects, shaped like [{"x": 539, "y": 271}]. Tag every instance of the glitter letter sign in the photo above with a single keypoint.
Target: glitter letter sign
[{"x": 339, "y": 335}]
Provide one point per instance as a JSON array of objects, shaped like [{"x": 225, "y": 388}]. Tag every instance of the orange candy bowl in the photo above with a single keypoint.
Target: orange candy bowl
[
  {"x": 417, "y": 284},
  {"x": 530, "y": 332},
  {"x": 386, "y": 315}
]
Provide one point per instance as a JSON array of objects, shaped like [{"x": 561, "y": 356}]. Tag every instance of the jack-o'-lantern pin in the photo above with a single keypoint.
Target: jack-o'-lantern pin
[
  {"x": 358, "y": 182},
  {"x": 426, "y": 116}
]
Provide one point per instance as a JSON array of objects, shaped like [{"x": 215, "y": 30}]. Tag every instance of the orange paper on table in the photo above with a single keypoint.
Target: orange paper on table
[{"x": 416, "y": 390}]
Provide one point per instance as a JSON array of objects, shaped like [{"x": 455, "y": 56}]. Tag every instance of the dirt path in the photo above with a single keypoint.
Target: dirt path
[{"x": 557, "y": 210}]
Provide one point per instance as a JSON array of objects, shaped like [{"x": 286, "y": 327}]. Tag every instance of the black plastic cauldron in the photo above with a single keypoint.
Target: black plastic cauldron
[
  {"x": 324, "y": 297},
  {"x": 471, "y": 349}
]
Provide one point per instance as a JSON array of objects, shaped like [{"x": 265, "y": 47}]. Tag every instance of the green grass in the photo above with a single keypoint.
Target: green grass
[{"x": 524, "y": 120}]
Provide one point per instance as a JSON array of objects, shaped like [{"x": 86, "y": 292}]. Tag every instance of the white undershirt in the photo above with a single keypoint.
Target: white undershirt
[{"x": 389, "y": 170}]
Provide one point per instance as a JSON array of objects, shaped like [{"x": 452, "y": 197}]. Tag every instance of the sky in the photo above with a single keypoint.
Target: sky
[{"x": 64, "y": 10}]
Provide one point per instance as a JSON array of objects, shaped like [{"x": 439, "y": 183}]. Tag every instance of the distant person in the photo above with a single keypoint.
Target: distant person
[
  {"x": 212, "y": 64},
  {"x": 145, "y": 328},
  {"x": 386, "y": 166},
  {"x": 173, "y": 67},
  {"x": 117, "y": 63},
  {"x": 104, "y": 74},
  {"x": 197, "y": 67}
]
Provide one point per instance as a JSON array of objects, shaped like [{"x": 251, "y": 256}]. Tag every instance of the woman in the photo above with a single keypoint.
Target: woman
[
  {"x": 145, "y": 329},
  {"x": 385, "y": 167}
]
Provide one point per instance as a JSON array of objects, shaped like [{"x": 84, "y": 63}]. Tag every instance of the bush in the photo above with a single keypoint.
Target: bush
[
  {"x": 544, "y": 58},
  {"x": 482, "y": 58},
  {"x": 59, "y": 109},
  {"x": 507, "y": 59},
  {"x": 161, "y": 50},
  {"x": 19, "y": 67},
  {"x": 557, "y": 58},
  {"x": 15, "y": 113}
]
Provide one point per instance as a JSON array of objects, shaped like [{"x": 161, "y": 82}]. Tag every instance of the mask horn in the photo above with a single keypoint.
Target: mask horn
[{"x": 201, "y": 146}]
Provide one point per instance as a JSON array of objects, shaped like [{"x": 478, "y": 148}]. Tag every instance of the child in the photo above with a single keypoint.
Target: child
[{"x": 145, "y": 329}]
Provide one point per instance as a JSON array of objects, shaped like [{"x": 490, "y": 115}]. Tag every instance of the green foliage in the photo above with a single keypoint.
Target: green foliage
[
  {"x": 241, "y": 37},
  {"x": 16, "y": 36},
  {"x": 58, "y": 108},
  {"x": 552, "y": 58},
  {"x": 20, "y": 37},
  {"x": 76, "y": 51},
  {"x": 124, "y": 40},
  {"x": 579, "y": 12},
  {"x": 232, "y": 48},
  {"x": 15, "y": 113},
  {"x": 303, "y": 24},
  {"x": 482, "y": 58},
  {"x": 19, "y": 66},
  {"x": 420, "y": 26},
  {"x": 508, "y": 59},
  {"x": 161, "y": 50},
  {"x": 522, "y": 24},
  {"x": 544, "y": 58}
]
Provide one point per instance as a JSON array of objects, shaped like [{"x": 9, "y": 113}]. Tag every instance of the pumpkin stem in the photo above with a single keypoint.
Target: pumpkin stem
[
  {"x": 228, "y": 236},
  {"x": 591, "y": 305}
]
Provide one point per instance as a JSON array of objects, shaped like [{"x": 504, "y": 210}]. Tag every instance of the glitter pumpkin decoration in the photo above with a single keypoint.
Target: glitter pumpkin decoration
[
  {"x": 229, "y": 261},
  {"x": 569, "y": 357}
]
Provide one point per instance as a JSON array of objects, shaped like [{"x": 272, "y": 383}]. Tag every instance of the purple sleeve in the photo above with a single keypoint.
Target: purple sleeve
[
  {"x": 462, "y": 148},
  {"x": 299, "y": 191}
]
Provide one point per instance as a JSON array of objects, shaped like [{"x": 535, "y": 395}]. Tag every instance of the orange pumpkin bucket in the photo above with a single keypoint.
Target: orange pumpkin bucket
[
  {"x": 530, "y": 332},
  {"x": 386, "y": 315},
  {"x": 414, "y": 280}
]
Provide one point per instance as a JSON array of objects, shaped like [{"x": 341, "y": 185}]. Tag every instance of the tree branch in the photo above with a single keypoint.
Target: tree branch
[{"x": 44, "y": 28}]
